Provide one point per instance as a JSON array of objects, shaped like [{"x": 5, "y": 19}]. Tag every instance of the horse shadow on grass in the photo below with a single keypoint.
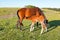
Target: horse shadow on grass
[{"x": 53, "y": 24}]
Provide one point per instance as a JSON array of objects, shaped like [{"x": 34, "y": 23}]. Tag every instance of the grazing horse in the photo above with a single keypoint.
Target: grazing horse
[{"x": 33, "y": 14}]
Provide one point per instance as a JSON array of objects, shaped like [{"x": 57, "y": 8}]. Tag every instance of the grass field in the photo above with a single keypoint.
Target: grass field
[{"x": 8, "y": 30}]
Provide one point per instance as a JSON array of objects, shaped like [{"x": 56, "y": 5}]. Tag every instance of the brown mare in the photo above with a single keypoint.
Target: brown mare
[{"x": 33, "y": 14}]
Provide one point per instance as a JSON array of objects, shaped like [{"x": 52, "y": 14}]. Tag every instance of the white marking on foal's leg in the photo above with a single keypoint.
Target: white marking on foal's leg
[
  {"x": 42, "y": 30},
  {"x": 46, "y": 29},
  {"x": 32, "y": 27},
  {"x": 42, "y": 25}
]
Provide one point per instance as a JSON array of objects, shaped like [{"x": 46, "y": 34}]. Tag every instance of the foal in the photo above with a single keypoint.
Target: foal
[{"x": 33, "y": 14}]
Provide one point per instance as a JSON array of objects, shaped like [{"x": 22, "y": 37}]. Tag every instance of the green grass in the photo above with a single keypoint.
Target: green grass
[
  {"x": 7, "y": 11},
  {"x": 8, "y": 30}
]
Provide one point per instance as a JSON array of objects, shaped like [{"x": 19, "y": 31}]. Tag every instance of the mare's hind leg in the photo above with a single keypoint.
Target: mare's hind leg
[
  {"x": 17, "y": 23},
  {"x": 21, "y": 24},
  {"x": 32, "y": 27}
]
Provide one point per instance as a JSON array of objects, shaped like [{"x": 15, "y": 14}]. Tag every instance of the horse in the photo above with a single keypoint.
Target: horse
[{"x": 35, "y": 15}]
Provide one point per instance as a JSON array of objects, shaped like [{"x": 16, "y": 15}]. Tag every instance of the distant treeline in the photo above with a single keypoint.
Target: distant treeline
[{"x": 55, "y": 9}]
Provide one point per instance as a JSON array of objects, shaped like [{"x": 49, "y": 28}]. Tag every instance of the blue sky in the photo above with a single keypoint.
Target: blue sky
[{"x": 22, "y": 3}]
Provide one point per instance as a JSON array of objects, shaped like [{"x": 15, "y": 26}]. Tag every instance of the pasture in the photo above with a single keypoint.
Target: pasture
[{"x": 8, "y": 30}]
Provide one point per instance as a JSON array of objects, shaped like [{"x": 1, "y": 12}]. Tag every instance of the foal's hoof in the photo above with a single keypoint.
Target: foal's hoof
[
  {"x": 41, "y": 33},
  {"x": 21, "y": 30},
  {"x": 17, "y": 27},
  {"x": 31, "y": 29}
]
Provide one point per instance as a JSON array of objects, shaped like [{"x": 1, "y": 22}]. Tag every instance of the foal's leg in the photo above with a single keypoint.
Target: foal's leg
[
  {"x": 37, "y": 24},
  {"x": 44, "y": 27},
  {"x": 46, "y": 24},
  {"x": 32, "y": 27}
]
